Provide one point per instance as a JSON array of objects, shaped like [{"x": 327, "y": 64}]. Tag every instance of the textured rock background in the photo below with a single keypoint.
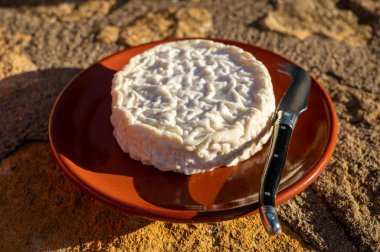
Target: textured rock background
[{"x": 44, "y": 44}]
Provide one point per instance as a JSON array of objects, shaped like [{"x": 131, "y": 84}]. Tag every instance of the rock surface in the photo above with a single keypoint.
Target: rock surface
[
  {"x": 302, "y": 18},
  {"x": 108, "y": 34},
  {"x": 193, "y": 22},
  {"x": 153, "y": 26},
  {"x": 169, "y": 23},
  {"x": 12, "y": 58},
  {"x": 71, "y": 12},
  {"x": 370, "y": 8},
  {"x": 42, "y": 210}
]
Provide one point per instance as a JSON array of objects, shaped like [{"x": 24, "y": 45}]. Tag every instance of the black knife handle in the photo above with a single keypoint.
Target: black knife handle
[{"x": 270, "y": 181}]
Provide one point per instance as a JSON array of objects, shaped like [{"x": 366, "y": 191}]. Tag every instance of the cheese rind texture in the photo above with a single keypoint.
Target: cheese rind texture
[{"x": 191, "y": 106}]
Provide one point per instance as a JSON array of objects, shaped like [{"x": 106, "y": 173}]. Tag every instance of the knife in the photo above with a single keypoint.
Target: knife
[{"x": 294, "y": 102}]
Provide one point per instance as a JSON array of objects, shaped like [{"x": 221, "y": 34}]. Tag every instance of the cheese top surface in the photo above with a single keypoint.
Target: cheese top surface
[{"x": 192, "y": 105}]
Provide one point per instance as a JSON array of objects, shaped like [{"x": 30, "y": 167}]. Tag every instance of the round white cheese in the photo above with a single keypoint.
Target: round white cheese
[{"x": 192, "y": 106}]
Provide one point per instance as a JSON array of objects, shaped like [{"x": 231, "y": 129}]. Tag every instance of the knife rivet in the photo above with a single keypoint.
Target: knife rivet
[
  {"x": 275, "y": 155},
  {"x": 283, "y": 127}
]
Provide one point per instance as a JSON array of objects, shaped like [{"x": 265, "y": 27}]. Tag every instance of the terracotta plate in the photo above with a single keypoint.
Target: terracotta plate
[{"x": 82, "y": 141}]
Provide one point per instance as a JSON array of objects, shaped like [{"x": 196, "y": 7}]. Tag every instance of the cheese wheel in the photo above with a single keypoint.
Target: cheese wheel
[{"x": 191, "y": 106}]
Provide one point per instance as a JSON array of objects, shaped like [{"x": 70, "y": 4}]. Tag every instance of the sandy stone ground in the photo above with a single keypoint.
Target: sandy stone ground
[{"x": 43, "y": 44}]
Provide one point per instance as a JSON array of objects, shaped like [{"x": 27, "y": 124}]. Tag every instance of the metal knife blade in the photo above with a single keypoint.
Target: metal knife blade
[{"x": 296, "y": 97}]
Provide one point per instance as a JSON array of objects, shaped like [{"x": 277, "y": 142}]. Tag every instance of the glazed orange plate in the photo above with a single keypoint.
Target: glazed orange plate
[{"x": 82, "y": 141}]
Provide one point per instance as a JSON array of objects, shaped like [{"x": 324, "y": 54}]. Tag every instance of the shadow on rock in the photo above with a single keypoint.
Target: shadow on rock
[
  {"x": 311, "y": 217},
  {"x": 25, "y": 103},
  {"x": 41, "y": 209}
]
